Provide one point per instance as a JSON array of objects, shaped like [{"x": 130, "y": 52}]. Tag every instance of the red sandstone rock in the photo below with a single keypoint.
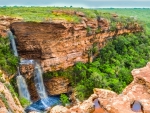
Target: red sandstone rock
[
  {"x": 5, "y": 22},
  {"x": 56, "y": 85},
  {"x": 12, "y": 101},
  {"x": 60, "y": 45},
  {"x": 137, "y": 90}
]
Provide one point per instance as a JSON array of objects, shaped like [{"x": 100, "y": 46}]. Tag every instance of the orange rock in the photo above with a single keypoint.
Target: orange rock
[
  {"x": 99, "y": 110},
  {"x": 59, "y": 45}
]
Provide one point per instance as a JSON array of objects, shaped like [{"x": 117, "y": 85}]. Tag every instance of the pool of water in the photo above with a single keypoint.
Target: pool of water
[
  {"x": 136, "y": 107},
  {"x": 43, "y": 104},
  {"x": 96, "y": 103}
]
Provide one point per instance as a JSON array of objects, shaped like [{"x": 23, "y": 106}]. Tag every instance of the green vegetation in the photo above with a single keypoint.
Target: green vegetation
[
  {"x": 64, "y": 99},
  {"x": 112, "y": 67},
  {"x": 8, "y": 62},
  {"x": 47, "y": 14},
  {"x": 24, "y": 102},
  {"x": 5, "y": 101},
  {"x": 11, "y": 89},
  {"x": 134, "y": 14},
  {"x": 40, "y": 14}
]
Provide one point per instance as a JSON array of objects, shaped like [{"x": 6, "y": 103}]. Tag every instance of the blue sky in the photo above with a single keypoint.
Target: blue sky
[{"x": 78, "y": 3}]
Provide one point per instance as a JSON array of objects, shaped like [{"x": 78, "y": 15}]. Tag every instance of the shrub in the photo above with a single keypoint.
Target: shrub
[
  {"x": 64, "y": 99},
  {"x": 24, "y": 102}
]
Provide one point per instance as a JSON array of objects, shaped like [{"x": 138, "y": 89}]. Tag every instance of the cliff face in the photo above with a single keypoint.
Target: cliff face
[{"x": 58, "y": 45}]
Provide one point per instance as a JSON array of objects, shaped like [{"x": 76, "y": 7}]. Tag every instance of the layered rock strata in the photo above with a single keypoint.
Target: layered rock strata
[
  {"x": 58, "y": 45},
  {"x": 57, "y": 85}
]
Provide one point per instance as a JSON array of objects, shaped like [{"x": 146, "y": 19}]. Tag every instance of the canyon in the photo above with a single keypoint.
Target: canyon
[{"x": 59, "y": 44}]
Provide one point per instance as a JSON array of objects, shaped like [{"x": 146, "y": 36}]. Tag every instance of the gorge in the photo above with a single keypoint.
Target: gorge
[{"x": 57, "y": 45}]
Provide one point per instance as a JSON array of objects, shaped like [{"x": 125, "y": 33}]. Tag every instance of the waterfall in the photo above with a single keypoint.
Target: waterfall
[
  {"x": 21, "y": 83},
  {"x": 22, "y": 87},
  {"x": 12, "y": 41},
  {"x": 38, "y": 80},
  {"x": 45, "y": 101}
]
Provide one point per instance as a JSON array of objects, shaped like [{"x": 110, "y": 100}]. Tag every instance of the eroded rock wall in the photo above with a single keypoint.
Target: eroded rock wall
[{"x": 58, "y": 45}]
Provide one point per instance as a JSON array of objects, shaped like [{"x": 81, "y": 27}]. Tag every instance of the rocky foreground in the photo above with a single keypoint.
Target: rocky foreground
[{"x": 111, "y": 102}]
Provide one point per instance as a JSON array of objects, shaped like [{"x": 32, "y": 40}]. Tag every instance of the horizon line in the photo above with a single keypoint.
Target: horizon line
[{"x": 65, "y": 6}]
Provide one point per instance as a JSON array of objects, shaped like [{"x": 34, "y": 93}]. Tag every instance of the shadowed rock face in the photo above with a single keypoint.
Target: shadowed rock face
[{"x": 58, "y": 45}]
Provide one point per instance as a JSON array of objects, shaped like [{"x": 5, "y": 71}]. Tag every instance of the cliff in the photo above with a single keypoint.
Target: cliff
[{"x": 59, "y": 44}]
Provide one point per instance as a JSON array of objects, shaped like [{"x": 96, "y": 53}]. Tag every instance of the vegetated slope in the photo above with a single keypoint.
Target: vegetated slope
[
  {"x": 111, "y": 69},
  {"x": 8, "y": 62},
  {"x": 141, "y": 14}
]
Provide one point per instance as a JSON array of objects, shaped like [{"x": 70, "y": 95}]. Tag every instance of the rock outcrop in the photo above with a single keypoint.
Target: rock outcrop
[
  {"x": 58, "y": 44},
  {"x": 138, "y": 90},
  {"x": 57, "y": 85},
  {"x": 8, "y": 101},
  {"x": 5, "y": 22}
]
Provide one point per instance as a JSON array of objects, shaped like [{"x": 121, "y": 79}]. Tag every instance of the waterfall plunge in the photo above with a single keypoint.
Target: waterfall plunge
[
  {"x": 22, "y": 87},
  {"x": 45, "y": 101},
  {"x": 38, "y": 80},
  {"x": 21, "y": 83},
  {"x": 12, "y": 41}
]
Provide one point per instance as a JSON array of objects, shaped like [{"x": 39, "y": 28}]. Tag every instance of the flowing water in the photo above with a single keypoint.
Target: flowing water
[
  {"x": 21, "y": 83},
  {"x": 38, "y": 80},
  {"x": 45, "y": 101},
  {"x": 12, "y": 41},
  {"x": 22, "y": 87},
  {"x": 38, "y": 106}
]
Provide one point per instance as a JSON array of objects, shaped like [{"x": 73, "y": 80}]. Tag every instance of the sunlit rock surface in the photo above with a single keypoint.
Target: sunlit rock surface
[
  {"x": 59, "y": 44},
  {"x": 5, "y": 22},
  {"x": 137, "y": 90},
  {"x": 56, "y": 85}
]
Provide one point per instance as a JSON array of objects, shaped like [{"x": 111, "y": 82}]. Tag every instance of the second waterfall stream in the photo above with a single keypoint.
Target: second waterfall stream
[{"x": 38, "y": 80}]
